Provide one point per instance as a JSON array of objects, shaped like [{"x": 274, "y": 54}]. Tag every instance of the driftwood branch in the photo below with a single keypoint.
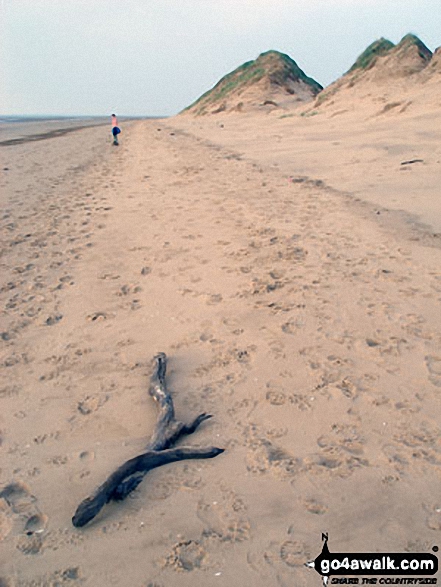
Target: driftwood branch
[{"x": 167, "y": 431}]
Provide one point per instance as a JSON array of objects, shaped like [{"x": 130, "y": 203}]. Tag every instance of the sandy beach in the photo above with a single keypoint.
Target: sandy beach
[{"x": 290, "y": 269}]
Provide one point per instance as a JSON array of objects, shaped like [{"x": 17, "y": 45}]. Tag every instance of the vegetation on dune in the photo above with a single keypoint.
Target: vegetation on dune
[
  {"x": 382, "y": 47},
  {"x": 371, "y": 54},
  {"x": 230, "y": 81},
  {"x": 410, "y": 40},
  {"x": 289, "y": 69}
]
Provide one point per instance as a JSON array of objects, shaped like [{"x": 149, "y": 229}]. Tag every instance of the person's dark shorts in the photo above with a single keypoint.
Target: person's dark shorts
[{"x": 115, "y": 131}]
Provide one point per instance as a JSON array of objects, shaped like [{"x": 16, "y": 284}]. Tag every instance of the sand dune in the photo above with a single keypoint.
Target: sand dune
[
  {"x": 385, "y": 79},
  {"x": 293, "y": 308},
  {"x": 273, "y": 80}
]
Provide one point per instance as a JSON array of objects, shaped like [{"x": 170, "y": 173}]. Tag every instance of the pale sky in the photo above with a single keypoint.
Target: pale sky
[{"x": 155, "y": 57}]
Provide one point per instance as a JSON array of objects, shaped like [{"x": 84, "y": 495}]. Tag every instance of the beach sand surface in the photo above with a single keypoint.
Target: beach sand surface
[{"x": 297, "y": 303}]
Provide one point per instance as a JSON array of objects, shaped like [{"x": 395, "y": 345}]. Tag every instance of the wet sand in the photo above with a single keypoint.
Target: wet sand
[
  {"x": 306, "y": 324},
  {"x": 20, "y": 130}
]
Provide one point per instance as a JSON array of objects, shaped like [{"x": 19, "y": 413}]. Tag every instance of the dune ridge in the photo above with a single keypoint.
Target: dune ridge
[{"x": 393, "y": 74}]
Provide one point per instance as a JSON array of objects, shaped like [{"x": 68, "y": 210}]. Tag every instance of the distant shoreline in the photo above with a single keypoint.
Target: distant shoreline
[
  {"x": 11, "y": 119},
  {"x": 15, "y": 130},
  {"x": 45, "y": 135}
]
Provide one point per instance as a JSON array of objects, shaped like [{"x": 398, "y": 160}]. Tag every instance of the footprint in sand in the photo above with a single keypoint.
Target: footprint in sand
[
  {"x": 186, "y": 556},
  {"x": 433, "y": 520},
  {"x": 225, "y": 518},
  {"x": 36, "y": 524},
  {"x": 293, "y": 326},
  {"x": 128, "y": 289},
  {"x": 341, "y": 452},
  {"x": 69, "y": 576},
  {"x": 294, "y": 552},
  {"x": 214, "y": 299},
  {"x": 86, "y": 456},
  {"x": 433, "y": 365},
  {"x": 313, "y": 506},
  {"x": 17, "y": 495},
  {"x": 264, "y": 456},
  {"x": 275, "y": 396},
  {"x": 98, "y": 317},
  {"x": 282, "y": 563},
  {"x": 17, "y": 504},
  {"x": 91, "y": 404},
  {"x": 53, "y": 319}
]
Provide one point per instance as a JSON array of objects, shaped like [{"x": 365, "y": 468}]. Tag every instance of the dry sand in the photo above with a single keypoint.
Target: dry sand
[{"x": 304, "y": 321}]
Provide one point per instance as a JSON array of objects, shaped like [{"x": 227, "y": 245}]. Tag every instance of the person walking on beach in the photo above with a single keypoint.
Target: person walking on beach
[{"x": 115, "y": 129}]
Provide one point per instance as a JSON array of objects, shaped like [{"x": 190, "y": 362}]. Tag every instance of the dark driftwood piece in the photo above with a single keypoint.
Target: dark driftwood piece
[
  {"x": 412, "y": 161},
  {"x": 167, "y": 431}
]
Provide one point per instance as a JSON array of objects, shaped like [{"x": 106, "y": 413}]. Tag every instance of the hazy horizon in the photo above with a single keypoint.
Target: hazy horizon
[
  {"x": 91, "y": 58},
  {"x": 32, "y": 117}
]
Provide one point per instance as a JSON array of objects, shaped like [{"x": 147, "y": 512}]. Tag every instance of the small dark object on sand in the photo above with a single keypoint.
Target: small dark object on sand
[
  {"x": 167, "y": 431},
  {"x": 412, "y": 161}
]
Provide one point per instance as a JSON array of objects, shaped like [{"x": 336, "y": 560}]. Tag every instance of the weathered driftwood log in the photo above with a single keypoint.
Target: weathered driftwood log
[
  {"x": 90, "y": 507},
  {"x": 167, "y": 431}
]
